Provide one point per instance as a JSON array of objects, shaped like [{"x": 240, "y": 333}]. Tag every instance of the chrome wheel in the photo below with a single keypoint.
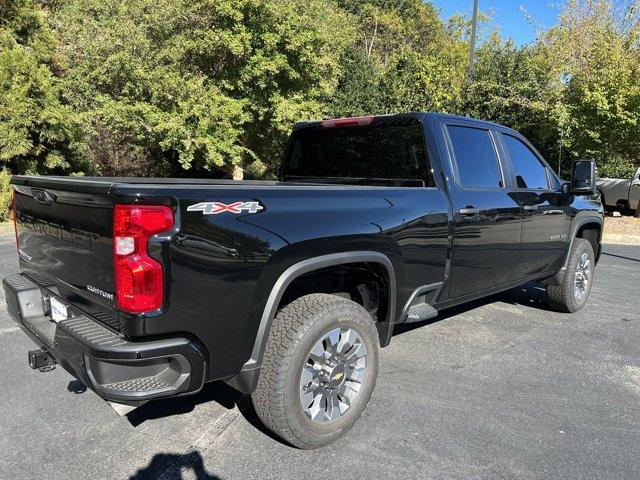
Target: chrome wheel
[
  {"x": 333, "y": 375},
  {"x": 582, "y": 277}
]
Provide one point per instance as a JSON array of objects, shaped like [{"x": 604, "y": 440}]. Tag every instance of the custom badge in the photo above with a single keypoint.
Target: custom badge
[{"x": 214, "y": 208}]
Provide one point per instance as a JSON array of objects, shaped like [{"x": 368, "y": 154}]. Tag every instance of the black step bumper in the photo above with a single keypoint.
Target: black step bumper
[{"x": 117, "y": 369}]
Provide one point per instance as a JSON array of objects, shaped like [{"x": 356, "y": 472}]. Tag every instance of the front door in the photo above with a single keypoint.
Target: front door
[
  {"x": 486, "y": 214},
  {"x": 546, "y": 211}
]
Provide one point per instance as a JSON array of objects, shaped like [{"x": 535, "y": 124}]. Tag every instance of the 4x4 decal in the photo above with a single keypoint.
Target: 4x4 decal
[{"x": 214, "y": 208}]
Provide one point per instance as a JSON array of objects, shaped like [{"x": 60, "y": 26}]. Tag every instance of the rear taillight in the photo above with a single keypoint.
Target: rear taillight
[
  {"x": 139, "y": 278},
  {"x": 15, "y": 219}
]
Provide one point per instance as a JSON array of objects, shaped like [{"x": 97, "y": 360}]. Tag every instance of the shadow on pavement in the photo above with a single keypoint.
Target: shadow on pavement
[
  {"x": 218, "y": 392},
  {"x": 170, "y": 466},
  {"x": 529, "y": 295},
  {"x": 621, "y": 256},
  {"x": 249, "y": 413},
  {"x": 76, "y": 386}
]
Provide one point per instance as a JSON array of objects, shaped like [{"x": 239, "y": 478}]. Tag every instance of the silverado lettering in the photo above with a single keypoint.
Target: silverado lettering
[{"x": 74, "y": 236}]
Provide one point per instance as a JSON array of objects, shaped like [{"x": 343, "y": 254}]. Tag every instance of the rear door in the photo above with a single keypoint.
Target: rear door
[
  {"x": 546, "y": 210},
  {"x": 486, "y": 212}
]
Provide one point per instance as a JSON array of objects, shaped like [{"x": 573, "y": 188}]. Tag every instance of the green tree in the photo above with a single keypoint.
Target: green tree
[
  {"x": 403, "y": 59},
  {"x": 358, "y": 91},
  {"x": 514, "y": 86},
  {"x": 176, "y": 86},
  {"x": 6, "y": 195},
  {"x": 39, "y": 132},
  {"x": 597, "y": 63},
  {"x": 418, "y": 81}
]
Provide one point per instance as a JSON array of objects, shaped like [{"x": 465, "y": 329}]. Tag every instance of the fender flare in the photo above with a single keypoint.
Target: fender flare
[
  {"x": 574, "y": 231},
  {"x": 576, "y": 224},
  {"x": 247, "y": 379}
]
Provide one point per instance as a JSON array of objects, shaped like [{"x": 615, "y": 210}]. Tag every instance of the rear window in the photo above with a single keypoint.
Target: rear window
[{"x": 384, "y": 150}]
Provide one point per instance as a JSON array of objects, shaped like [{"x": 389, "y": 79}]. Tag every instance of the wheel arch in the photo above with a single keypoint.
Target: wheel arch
[
  {"x": 247, "y": 379},
  {"x": 591, "y": 231},
  {"x": 588, "y": 227}
]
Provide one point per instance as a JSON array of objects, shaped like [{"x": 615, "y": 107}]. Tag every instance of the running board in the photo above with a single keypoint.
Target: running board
[
  {"x": 420, "y": 312},
  {"x": 418, "y": 308}
]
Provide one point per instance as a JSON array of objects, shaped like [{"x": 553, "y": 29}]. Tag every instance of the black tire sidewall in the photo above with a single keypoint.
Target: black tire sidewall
[
  {"x": 581, "y": 246},
  {"x": 315, "y": 434}
]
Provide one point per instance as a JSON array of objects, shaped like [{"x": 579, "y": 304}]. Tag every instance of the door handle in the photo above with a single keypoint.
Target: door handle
[
  {"x": 530, "y": 208},
  {"x": 469, "y": 211}
]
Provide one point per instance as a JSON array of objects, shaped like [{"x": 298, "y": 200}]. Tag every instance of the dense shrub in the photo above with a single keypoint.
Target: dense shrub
[
  {"x": 6, "y": 195},
  {"x": 212, "y": 87}
]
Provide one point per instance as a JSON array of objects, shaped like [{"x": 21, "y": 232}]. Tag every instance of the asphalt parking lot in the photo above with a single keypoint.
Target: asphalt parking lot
[{"x": 501, "y": 388}]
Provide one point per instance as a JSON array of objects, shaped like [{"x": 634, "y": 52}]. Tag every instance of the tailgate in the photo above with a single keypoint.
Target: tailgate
[{"x": 65, "y": 240}]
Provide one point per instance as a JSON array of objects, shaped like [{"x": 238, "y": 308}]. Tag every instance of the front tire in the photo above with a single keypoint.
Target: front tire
[
  {"x": 319, "y": 370},
  {"x": 572, "y": 294}
]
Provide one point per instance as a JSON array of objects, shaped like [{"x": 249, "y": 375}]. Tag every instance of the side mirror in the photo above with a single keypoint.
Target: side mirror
[{"x": 583, "y": 178}]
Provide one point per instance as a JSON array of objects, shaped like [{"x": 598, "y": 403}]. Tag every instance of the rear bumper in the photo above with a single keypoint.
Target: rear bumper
[{"x": 117, "y": 369}]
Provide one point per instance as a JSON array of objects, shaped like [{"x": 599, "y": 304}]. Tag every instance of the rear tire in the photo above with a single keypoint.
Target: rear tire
[
  {"x": 573, "y": 293},
  {"x": 293, "y": 387}
]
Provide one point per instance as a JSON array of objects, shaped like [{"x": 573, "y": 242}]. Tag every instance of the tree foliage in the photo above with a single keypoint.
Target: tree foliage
[
  {"x": 402, "y": 59},
  {"x": 596, "y": 55},
  {"x": 212, "y": 87},
  {"x": 6, "y": 196},
  {"x": 197, "y": 84},
  {"x": 39, "y": 131}
]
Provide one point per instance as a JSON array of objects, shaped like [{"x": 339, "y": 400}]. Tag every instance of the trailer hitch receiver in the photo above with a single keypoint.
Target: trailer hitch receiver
[{"x": 41, "y": 360}]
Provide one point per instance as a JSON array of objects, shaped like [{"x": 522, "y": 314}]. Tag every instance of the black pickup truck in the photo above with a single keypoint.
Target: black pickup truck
[{"x": 149, "y": 287}]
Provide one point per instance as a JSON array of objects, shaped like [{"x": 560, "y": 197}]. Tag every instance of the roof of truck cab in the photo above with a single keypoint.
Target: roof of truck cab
[
  {"x": 468, "y": 119},
  {"x": 419, "y": 116}
]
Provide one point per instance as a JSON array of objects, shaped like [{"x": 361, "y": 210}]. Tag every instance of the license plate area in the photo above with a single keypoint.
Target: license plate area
[{"x": 59, "y": 310}]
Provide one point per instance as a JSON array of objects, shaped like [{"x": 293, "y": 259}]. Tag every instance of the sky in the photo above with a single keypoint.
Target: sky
[{"x": 507, "y": 15}]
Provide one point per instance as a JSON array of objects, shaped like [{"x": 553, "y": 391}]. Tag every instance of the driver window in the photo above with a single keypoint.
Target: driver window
[{"x": 528, "y": 170}]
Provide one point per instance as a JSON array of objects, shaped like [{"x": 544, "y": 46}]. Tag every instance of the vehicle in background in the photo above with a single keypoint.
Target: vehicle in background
[
  {"x": 147, "y": 288},
  {"x": 620, "y": 193}
]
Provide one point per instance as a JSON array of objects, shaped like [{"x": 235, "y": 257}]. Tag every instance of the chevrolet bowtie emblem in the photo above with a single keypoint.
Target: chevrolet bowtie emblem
[{"x": 337, "y": 376}]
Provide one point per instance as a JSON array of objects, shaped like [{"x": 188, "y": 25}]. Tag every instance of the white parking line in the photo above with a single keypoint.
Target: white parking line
[{"x": 200, "y": 446}]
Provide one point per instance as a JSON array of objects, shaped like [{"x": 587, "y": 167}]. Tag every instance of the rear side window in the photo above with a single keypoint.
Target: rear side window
[
  {"x": 382, "y": 150},
  {"x": 475, "y": 157},
  {"x": 529, "y": 172}
]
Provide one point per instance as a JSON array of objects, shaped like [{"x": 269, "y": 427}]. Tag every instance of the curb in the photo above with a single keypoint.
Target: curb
[{"x": 621, "y": 239}]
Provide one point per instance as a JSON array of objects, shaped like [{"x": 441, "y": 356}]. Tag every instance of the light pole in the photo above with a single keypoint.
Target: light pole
[
  {"x": 560, "y": 159},
  {"x": 472, "y": 54}
]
